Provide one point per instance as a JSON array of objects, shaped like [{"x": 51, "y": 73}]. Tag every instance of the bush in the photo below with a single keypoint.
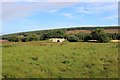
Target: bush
[
  {"x": 13, "y": 38},
  {"x": 43, "y": 36},
  {"x": 81, "y": 36},
  {"x": 72, "y": 38},
  {"x": 32, "y": 37},
  {"x": 25, "y": 39},
  {"x": 103, "y": 38},
  {"x": 99, "y": 35},
  {"x": 88, "y": 37},
  {"x": 114, "y": 36},
  {"x": 55, "y": 34}
]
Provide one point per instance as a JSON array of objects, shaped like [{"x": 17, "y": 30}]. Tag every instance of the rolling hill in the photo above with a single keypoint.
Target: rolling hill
[
  {"x": 74, "y": 30},
  {"x": 81, "y": 32}
]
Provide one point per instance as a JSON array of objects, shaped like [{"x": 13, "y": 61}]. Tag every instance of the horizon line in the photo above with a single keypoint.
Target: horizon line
[{"x": 58, "y": 28}]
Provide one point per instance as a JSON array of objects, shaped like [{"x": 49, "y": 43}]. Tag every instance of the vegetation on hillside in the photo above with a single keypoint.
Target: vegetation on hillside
[
  {"x": 31, "y": 55},
  {"x": 99, "y": 35},
  {"x": 72, "y": 38},
  {"x": 96, "y": 34}
]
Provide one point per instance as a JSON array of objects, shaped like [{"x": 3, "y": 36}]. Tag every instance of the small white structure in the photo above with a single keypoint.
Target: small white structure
[
  {"x": 92, "y": 40},
  {"x": 57, "y": 39}
]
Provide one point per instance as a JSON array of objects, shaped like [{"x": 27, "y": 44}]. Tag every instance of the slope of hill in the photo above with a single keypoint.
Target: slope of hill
[
  {"x": 114, "y": 30},
  {"x": 81, "y": 32},
  {"x": 73, "y": 30}
]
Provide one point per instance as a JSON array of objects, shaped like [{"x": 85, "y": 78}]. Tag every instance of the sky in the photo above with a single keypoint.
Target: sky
[{"x": 26, "y": 15}]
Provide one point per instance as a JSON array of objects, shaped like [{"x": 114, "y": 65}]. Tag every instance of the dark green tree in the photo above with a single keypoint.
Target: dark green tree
[
  {"x": 88, "y": 37},
  {"x": 43, "y": 36},
  {"x": 103, "y": 38},
  {"x": 81, "y": 36},
  {"x": 72, "y": 38},
  {"x": 55, "y": 34},
  {"x": 13, "y": 38},
  {"x": 99, "y": 35}
]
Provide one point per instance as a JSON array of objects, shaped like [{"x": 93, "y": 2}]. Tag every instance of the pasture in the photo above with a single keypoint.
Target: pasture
[{"x": 44, "y": 59}]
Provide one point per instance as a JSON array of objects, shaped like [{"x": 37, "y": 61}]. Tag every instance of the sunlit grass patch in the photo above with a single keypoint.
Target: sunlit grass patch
[{"x": 44, "y": 59}]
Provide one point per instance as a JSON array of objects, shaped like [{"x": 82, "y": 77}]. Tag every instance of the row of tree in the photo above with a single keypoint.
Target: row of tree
[
  {"x": 97, "y": 34},
  {"x": 24, "y": 37}
]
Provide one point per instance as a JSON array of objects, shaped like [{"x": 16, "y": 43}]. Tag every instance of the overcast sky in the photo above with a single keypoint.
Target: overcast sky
[{"x": 26, "y": 15}]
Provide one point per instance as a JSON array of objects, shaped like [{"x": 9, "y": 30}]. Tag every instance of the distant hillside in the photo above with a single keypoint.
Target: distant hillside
[
  {"x": 74, "y": 30},
  {"x": 80, "y": 32},
  {"x": 114, "y": 30}
]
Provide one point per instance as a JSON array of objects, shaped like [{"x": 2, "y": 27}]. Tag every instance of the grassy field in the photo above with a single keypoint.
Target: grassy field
[{"x": 44, "y": 59}]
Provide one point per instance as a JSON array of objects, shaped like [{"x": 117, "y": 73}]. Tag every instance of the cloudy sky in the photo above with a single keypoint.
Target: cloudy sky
[{"x": 26, "y": 15}]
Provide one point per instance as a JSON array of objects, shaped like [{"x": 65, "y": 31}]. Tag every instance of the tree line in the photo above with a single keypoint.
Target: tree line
[{"x": 98, "y": 34}]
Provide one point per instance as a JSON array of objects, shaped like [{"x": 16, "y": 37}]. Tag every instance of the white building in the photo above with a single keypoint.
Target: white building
[{"x": 57, "y": 39}]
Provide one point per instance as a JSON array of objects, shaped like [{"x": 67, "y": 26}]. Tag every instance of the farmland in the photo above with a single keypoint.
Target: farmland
[{"x": 45, "y": 59}]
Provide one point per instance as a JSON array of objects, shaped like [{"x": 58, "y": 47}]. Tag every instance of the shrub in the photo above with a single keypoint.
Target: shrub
[
  {"x": 13, "y": 38},
  {"x": 43, "y": 36},
  {"x": 103, "y": 38},
  {"x": 72, "y": 38},
  {"x": 99, "y": 35},
  {"x": 81, "y": 36},
  {"x": 25, "y": 39},
  {"x": 88, "y": 37},
  {"x": 55, "y": 34}
]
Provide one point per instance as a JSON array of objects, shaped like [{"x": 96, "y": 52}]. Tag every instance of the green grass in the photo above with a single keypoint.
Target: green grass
[{"x": 45, "y": 59}]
